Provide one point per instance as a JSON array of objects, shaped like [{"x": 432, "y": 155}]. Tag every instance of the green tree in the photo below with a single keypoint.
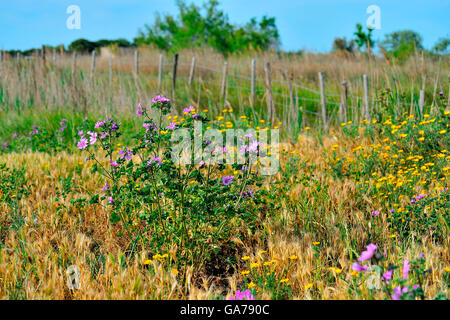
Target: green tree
[
  {"x": 442, "y": 46},
  {"x": 363, "y": 39},
  {"x": 82, "y": 45},
  {"x": 208, "y": 25},
  {"x": 401, "y": 44},
  {"x": 341, "y": 44}
]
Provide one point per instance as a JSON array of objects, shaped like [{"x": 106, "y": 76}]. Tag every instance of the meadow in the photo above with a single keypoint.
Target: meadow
[{"x": 359, "y": 209}]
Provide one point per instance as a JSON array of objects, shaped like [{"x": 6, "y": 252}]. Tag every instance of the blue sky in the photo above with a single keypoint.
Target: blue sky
[{"x": 310, "y": 24}]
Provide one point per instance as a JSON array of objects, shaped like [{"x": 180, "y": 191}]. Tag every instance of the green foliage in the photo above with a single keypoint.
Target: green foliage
[
  {"x": 363, "y": 39},
  {"x": 341, "y": 44},
  {"x": 401, "y": 44},
  {"x": 195, "y": 28},
  {"x": 13, "y": 188},
  {"x": 410, "y": 153},
  {"x": 442, "y": 46},
  {"x": 83, "y": 45},
  {"x": 162, "y": 206}
]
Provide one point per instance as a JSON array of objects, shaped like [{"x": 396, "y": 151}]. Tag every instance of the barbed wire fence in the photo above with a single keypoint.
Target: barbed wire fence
[{"x": 283, "y": 97}]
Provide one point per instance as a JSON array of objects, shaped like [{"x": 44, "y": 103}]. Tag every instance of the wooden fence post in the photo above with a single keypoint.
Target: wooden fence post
[
  {"x": 192, "y": 72},
  {"x": 160, "y": 70},
  {"x": 269, "y": 93},
  {"x": 136, "y": 62},
  {"x": 366, "y": 113},
  {"x": 1, "y": 56},
  {"x": 253, "y": 79},
  {"x": 323, "y": 101},
  {"x": 421, "y": 102},
  {"x": 293, "y": 113},
  {"x": 174, "y": 79},
  {"x": 344, "y": 104},
  {"x": 43, "y": 55},
  {"x": 93, "y": 65},
  {"x": 223, "y": 87}
]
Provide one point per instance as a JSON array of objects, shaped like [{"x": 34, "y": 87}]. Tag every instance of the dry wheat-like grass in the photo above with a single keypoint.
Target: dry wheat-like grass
[{"x": 34, "y": 260}]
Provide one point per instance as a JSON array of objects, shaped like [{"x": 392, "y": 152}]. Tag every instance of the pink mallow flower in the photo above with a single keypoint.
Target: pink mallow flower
[
  {"x": 140, "y": 111},
  {"x": 160, "y": 99},
  {"x": 367, "y": 255},
  {"x": 83, "y": 143},
  {"x": 406, "y": 268},
  {"x": 245, "y": 295},
  {"x": 171, "y": 126},
  {"x": 154, "y": 159},
  {"x": 93, "y": 137},
  {"x": 227, "y": 180},
  {"x": 357, "y": 267},
  {"x": 99, "y": 124},
  {"x": 398, "y": 291},
  {"x": 388, "y": 275},
  {"x": 189, "y": 109}
]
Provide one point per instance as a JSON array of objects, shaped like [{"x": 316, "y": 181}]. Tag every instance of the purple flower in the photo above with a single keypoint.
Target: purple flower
[
  {"x": 392, "y": 210},
  {"x": 105, "y": 187},
  {"x": 154, "y": 159},
  {"x": 441, "y": 93},
  {"x": 114, "y": 164},
  {"x": 171, "y": 126},
  {"x": 375, "y": 213},
  {"x": 104, "y": 135},
  {"x": 227, "y": 180},
  {"x": 189, "y": 109},
  {"x": 99, "y": 124},
  {"x": 253, "y": 147},
  {"x": 126, "y": 153},
  {"x": 110, "y": 200},
  {"x": 149, "y": 126},
  {"x": 357, "y": 267},
  {"x": 398, "y": 292},
  {"x": 201, "y": 164},
  {"x": 160, "y": 99},
  {"x": 93, "y": 137},
  {"x": 406, "y": 269},
  {"x": 246, "y": 295},
  {"x": 83, "y": 143},
  {"x": 115, "y": 126},
  {"x": 367, "y": 255},
  {"x": 14, "y": 135},
  {"x": 5, "y": 145},
  {"x": 388, "y": 275},
  {"x": 140, "y": 110}
]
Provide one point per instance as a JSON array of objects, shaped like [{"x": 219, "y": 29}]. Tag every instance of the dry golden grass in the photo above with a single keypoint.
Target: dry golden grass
[{"x": 34, "y": 260}]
